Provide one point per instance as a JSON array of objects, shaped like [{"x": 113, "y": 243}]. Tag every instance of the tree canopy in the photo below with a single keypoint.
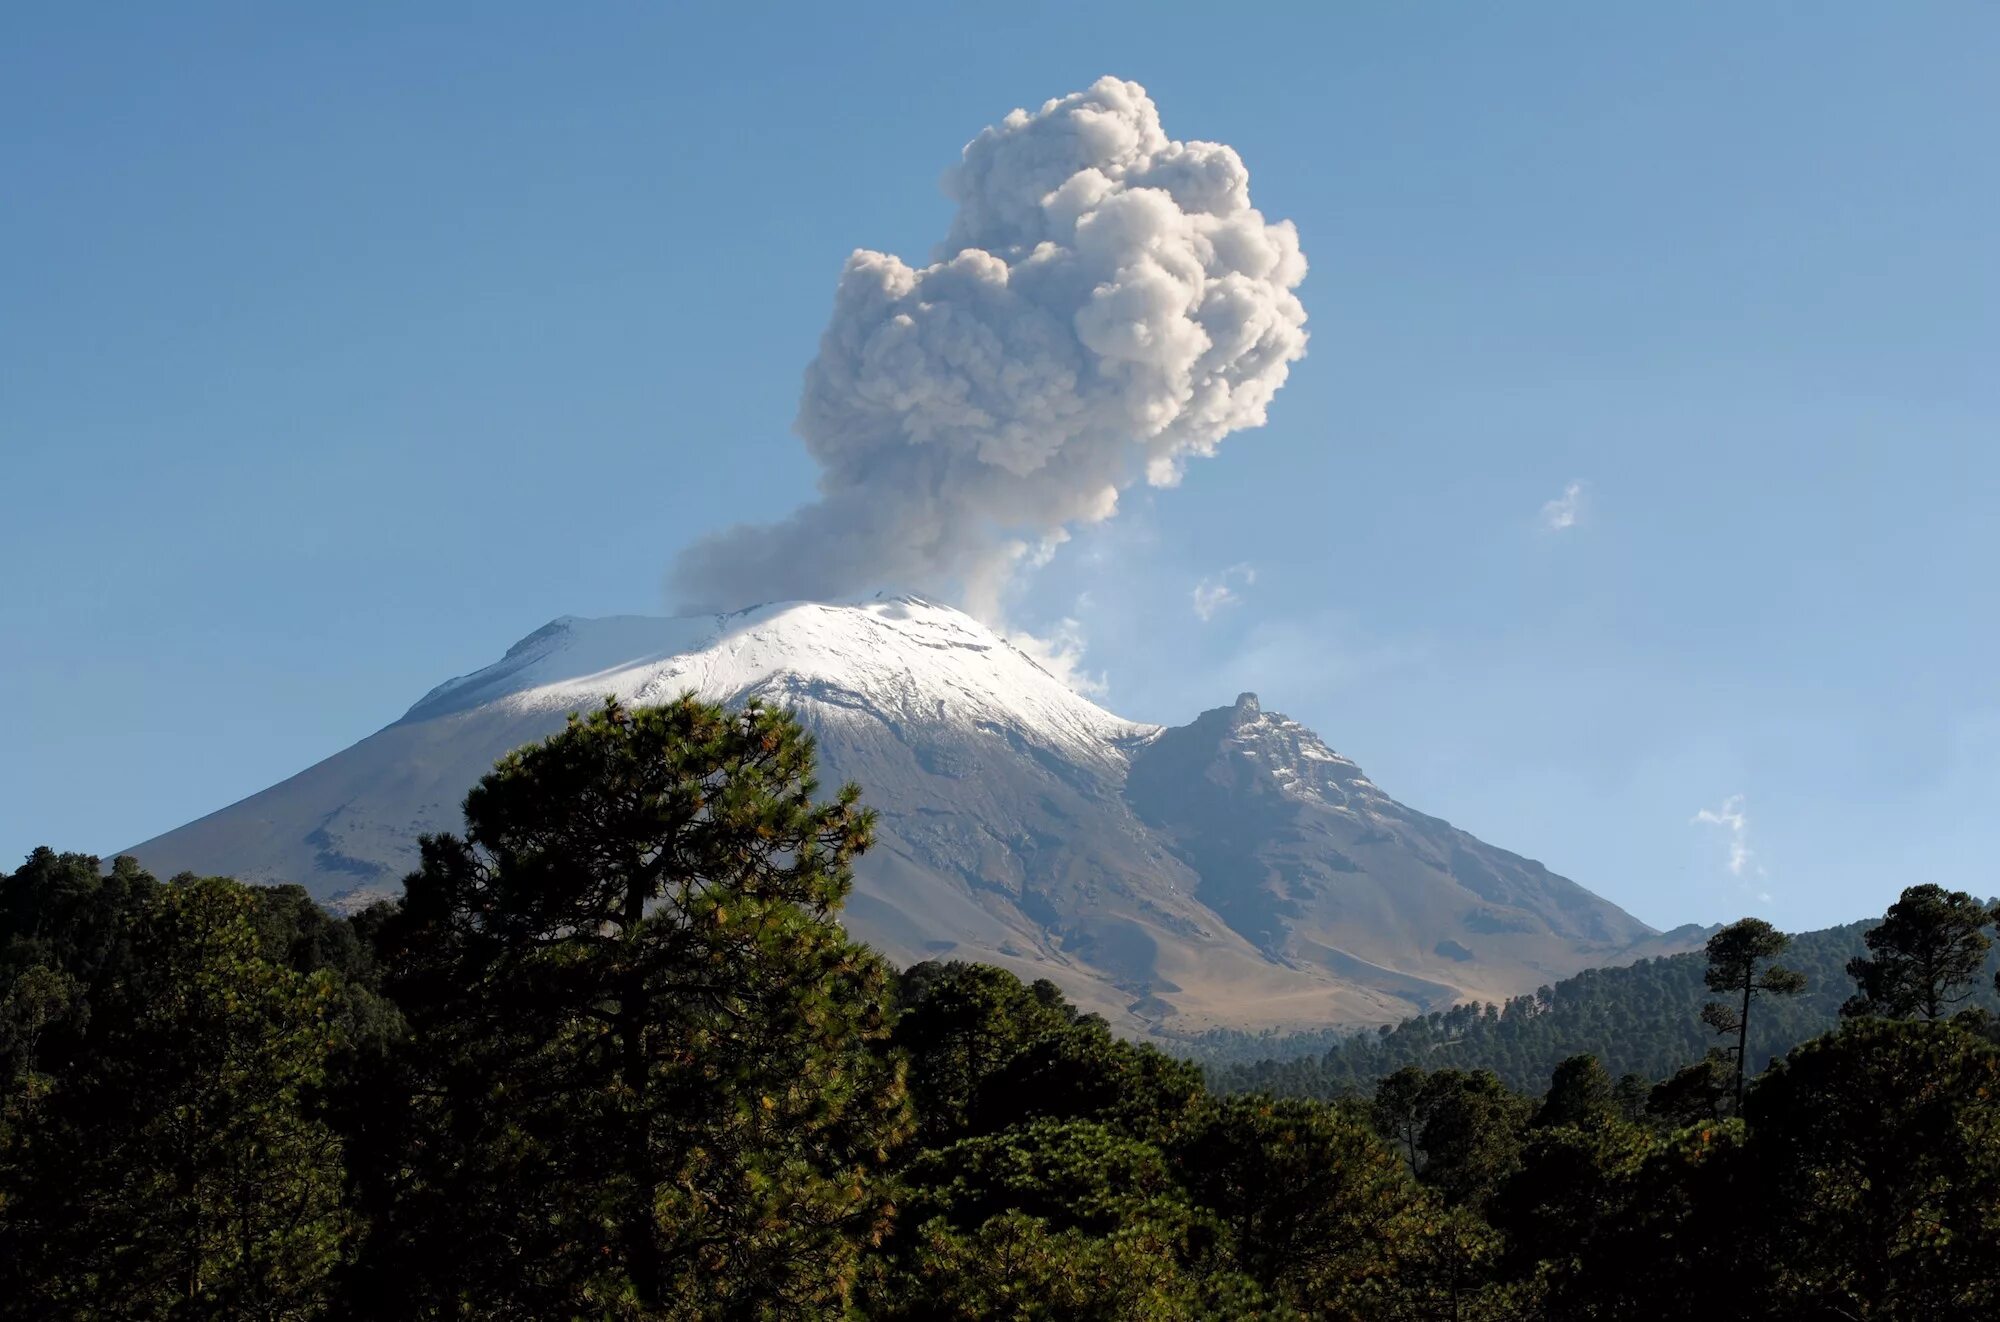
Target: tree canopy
[
  {"x": 1924, "y": 956},
  {"x": 632, "y": 1003},
  {"x": 612, "y": 1056}
]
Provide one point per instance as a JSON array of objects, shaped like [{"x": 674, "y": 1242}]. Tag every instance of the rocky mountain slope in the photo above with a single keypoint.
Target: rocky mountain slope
[{"x": 1231, "y": 872}]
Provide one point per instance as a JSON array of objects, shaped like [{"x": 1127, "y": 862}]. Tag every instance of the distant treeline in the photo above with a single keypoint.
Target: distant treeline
[
  {"x": 613, "y": 1057},
  {"x": 1642, "y": 1019}
]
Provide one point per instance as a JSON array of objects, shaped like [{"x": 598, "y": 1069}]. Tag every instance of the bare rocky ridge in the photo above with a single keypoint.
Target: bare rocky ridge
[
  {"x": 1231, "y": 872},
  {"x": 1308, "y": 860}
]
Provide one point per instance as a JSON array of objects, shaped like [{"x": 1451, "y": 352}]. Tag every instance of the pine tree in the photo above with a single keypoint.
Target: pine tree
[
  {"x": 1923, "y": 956},
  {"x": 176, "y": 1166},
  {"x": 1054, "y": 1218},
  {"x": 1318, "y": 1206},
  {"x": 1738, "y": 963},
  {"x": 1399, "y": 1111},
  {"x": 1580, "y": 1093},
  {"x": 644, "y": 1044},
  {"x": 1471, "y": 1136},
  {"x": 1693, "y": 1094},
  {"x": 1878, "y": 1154}
]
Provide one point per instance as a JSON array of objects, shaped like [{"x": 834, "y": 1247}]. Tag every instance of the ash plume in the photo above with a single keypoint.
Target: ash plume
[{"x": 1106, "y": 305}]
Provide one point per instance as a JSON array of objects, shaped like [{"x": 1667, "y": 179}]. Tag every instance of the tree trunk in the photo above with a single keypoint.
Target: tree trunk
[
  {"x": 1743, "y": 1035},
  {"x": 641, "y": 1245}
]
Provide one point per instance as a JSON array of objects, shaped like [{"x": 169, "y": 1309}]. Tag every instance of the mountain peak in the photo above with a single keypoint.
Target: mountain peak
[
  {"x": 1235, "y": 870},
  {"x": 894, "y": 656}
]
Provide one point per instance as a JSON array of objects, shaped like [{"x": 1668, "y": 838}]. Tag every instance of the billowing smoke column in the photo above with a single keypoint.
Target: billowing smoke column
[{"x": 1107, "y": 304}]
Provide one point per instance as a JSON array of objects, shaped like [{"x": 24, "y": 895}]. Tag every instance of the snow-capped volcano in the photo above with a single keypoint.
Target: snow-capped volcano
[{"x": 1234, "y": 871}]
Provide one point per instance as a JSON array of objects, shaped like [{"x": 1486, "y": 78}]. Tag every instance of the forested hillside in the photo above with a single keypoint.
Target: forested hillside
[{"x": 1643, "y": 1019}]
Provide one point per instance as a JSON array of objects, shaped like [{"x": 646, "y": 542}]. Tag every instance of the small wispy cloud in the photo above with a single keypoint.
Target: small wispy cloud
[
  {"x": 1562, "y": 512},
  {"x": 1220, "y": 590},
  {"x": 1210, "y": 597},
  {"x": 1735, "y": 823},
  {"x": 1060, "y": 652}
]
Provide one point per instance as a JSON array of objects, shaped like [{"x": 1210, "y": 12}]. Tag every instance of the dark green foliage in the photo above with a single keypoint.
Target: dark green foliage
[
  {"x": 1311, "y": 1197},
  {"x": 1924, "y": 955},
  {"x": 962, "y": 1024},
  {"x": 1695, "y": 1094},
  {"x": 1882, "y": 1146},
  {"x": 1629, "y": 1095},
  {"x": 1571, "y": 1178},
  {"x": 1580, "y": 1093},
  {"x": 1740, "y": 965},
  {"x": 1071, "y": 1174},
  {"x": 1019, "y": 1266},
  {"x": 1445, "y": 1268},
  {"x": 1673, "y": 1238},
  {"x": 987, "y": 1052},
  {"x": 165, "y": 1151},
  {"x": 1399, "y": 1110},
  {"x": 1055, "y": 1218},
  {"x": 613, "y": 1058},
  {"x": 1458, "y": 1132},
  {"x": 62, "y": 911},
  {"x": 643, "y": 1059},
  {"x": 1045, "y": 1186},
  {"x": 66, "y": 945},
  {"x": 1221, "y": 1048},
  {"x": 1471, "y": 1138},
  {"x": 1582, "y": 1206},
  {"x": 1642, "y": 1019}
]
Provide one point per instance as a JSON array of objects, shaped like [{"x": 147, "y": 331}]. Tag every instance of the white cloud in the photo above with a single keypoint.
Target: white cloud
[
  {"x": 1211, "y": 596},
  {"x": 1562, "y": 512},
  {"x": 1215, "y": 592},
  {"x": 1735, "y": 822},
  {"x": 1060, "y": 653}
]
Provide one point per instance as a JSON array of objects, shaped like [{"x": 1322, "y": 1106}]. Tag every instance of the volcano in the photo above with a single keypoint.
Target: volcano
[{"x": 1233, "y": 872}]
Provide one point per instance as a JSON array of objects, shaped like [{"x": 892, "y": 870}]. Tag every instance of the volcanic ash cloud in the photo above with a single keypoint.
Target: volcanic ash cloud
[{"x": 1106, "y": 305}]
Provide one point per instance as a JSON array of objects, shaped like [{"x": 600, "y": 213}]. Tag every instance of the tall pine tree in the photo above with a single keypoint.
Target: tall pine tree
[
  {"x": 1922, "y": 957},
  {"x": 644, "y": 1046},
  {"x": 1739, "y": 964}
]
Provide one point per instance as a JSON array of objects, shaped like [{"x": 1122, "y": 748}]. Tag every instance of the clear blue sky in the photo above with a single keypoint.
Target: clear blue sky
[{"x": 342, "y": 346}]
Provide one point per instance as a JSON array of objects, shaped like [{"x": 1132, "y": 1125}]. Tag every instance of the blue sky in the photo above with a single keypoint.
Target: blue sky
[{"x": 343, "y": 346}]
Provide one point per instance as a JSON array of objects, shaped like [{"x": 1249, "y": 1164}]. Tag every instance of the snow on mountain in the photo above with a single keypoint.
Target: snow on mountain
[
  {"x": 1234, "y": 871},
  {"x": 1299, "y": 761},
  {"x": 899, "y": 657}
]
